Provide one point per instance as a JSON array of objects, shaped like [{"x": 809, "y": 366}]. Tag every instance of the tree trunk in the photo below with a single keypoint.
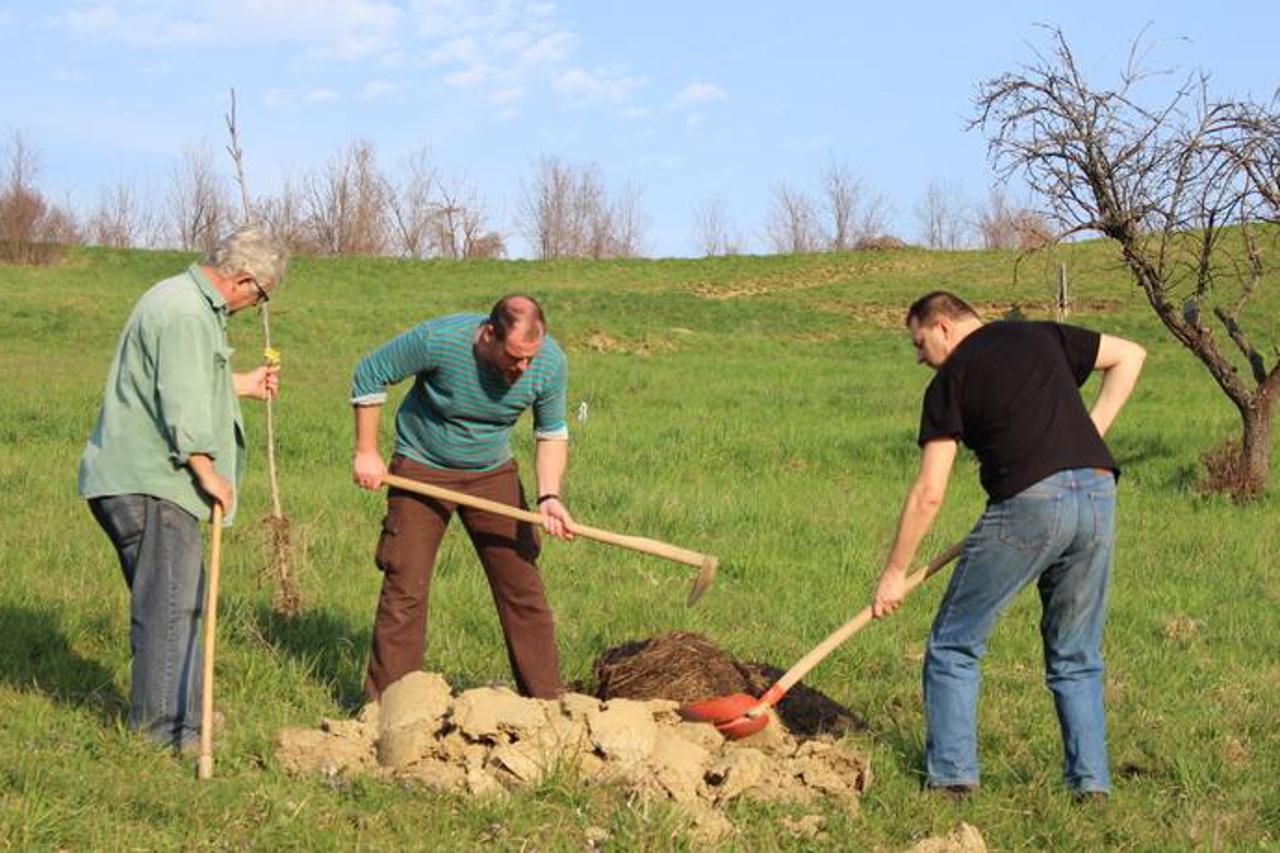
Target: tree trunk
[{"x": 1255, "y": 444}]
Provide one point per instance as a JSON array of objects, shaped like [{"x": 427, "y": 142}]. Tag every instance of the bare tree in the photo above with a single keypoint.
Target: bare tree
[
  {"x": 628, "y": 224},
  {"x": 285, "y": 215},
  {"x": 1181, "y": 186},
  {"x": 943, "y": 214},
  {"x": 546, "y": 210},
  {"x": 710, "y": 231},
  {"x": 122, "y": 219},
  {"x": 841, "y": 192},
  {"x": 32, "y": 230},
  {"x": 197, "y": 203},
  {"x": 792, "y": 225},
  {"x": 566, "y": 212},
  {"x": 412, "y": 207},
  {"x": 459, "y": 228},
  {"x": 346, "y": 203},
  {"x": 853, "y": 212},
  {"x": 1007, "y": 226}
]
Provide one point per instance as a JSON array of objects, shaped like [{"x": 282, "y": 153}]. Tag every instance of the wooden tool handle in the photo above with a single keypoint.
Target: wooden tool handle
[
  {"x": 634, "y": 543},
  {"x": 204, "y": 767},
  {"x": 844, "y": 632}
]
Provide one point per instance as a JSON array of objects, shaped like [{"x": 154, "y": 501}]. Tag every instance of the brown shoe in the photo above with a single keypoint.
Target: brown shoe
[
  {"x": 192, "y": 746},
  {"x": 1091, "y": 797},
  {"x": 954, "y": 792}
]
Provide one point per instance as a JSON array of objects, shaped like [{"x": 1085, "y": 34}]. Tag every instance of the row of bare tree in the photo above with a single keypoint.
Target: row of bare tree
[
  {"x": 32, "y": 229},
  {"x": 349, "y": 206},
  {"x": 948, "y": 220},
  {"x": 845, "y": 214},
  {"x": 353, "y": 205}
]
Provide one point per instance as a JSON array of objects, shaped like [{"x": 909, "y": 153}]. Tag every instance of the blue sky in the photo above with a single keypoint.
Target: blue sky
[{"x": 686, "y": 101}]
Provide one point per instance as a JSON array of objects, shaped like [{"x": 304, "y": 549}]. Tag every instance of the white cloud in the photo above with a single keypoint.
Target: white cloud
[
  {"x": 376, "y": 90},
  {"x": 141, "y": 28},
  {"x": 472, "y": 77},
  {"x": 809, "y": 143},
  {"x": 552, "y": 47},
  {"x": 278, "y": 98},
  {"x": 462, "y": 49},
  {"x": 585, "y": 87},
  {"x": 493, "y": 45},
  {"x": 495, "y": 48},
  {"x": 507, "y": 95},
  {"x": 281, "y": 97},
  {"x": 62, "y": 74},
  {"x": 325, "y": 29},
  {"x": 698, "y": 93}
]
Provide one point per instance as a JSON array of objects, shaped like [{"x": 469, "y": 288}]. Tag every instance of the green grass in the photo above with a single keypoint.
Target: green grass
[{"x": 773, "y": 428}]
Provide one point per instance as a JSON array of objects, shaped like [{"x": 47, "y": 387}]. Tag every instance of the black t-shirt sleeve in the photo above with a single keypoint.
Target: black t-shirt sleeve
[
  {"x": 1081, "y": 348},
  {"x": 940, "y": 414}
]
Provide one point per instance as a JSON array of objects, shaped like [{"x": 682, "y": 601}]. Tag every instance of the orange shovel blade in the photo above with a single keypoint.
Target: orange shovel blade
[
  {"x": 718, "y": 709},
  {"x": 727, "y": 713},
  {"x": 741, "y": 727}
]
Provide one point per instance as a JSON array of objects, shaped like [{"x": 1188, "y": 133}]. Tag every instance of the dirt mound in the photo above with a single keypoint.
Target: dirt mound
[
  {"x": 685, "y": 667},
  {"x": 488, "y": 740},
  {"x": 681, "y": 666},
  {"x": 965, "y": 838}
]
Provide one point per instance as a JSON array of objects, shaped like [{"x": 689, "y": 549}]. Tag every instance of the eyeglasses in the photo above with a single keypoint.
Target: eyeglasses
[{"x": 263, "y": 296}]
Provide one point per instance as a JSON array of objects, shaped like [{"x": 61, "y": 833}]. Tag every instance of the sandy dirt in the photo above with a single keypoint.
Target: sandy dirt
[{"x": 489, "y": 740}]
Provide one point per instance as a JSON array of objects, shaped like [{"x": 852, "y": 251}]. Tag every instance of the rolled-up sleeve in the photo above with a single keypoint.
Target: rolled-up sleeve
[
  {"x": 185, "y": 381},
  {"x": 404, "y": 355},
  {"x": 549, "y": 407}
]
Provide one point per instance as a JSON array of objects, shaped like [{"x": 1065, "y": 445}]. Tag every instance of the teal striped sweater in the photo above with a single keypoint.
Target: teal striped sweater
[{"x": 460, "y": 412}]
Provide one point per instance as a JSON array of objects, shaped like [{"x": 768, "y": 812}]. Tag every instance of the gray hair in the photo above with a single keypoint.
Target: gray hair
[{"x": 252, "y": 250}]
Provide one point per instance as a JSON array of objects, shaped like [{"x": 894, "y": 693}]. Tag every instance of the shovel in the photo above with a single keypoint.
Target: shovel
[
  {"x": 739, "y": 715},
  {"x": 204, "y": 768},
  {"x": 706, "y": 564}
]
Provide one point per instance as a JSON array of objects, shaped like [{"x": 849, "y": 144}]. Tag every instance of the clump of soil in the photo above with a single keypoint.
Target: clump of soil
[
  {"x": 965, "y": 838},
  {"x": 680, "y": 666},
  {"x": 685, "y": 667},
  {"x": 489, "y": 740},
  {"x": 285, "y": 549}
]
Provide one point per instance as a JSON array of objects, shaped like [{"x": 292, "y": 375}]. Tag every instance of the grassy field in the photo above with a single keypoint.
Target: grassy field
[{"x": 761, "y": 409}]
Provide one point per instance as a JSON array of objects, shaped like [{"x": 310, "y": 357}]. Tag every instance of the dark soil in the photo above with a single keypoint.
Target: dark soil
[{"x": 686, "y": 667}]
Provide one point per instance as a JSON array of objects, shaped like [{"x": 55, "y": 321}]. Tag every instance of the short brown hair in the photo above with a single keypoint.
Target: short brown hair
[
  {"x": 514, "y": 309},
  {"x": 939, "y": 302}
]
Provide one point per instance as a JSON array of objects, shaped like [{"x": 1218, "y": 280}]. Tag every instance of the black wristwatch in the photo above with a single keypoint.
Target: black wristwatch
[{"x": 552, "y": 496}]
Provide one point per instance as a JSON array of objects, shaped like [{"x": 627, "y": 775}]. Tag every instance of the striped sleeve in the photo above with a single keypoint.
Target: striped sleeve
[
  {"x": 549, "y": 407},
  {"x": 402, "y": 356}
]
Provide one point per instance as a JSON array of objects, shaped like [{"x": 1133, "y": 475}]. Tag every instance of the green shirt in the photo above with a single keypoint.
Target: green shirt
[
  {"x": 169, "y": 394},
  {"x": 459, "y": 413}
]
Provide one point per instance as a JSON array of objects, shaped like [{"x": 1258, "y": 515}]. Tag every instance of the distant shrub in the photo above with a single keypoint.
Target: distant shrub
[
  {"x": 880, "y": 242},
  {"x": 1227, "y": 473},
  {"x": 32, "y": 231}
]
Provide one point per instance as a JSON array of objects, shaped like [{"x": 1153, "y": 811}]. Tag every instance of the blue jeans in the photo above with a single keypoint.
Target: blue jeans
[
  {"x": 1059, "y": 533},
  {"x": 161, "y": 554}
]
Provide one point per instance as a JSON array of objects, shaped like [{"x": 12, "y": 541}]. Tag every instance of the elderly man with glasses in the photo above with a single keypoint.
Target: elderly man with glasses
[{"x": 167, "y": 445}]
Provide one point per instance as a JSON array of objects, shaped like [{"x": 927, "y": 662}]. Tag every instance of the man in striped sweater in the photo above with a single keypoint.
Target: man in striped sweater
[{"x": 473, "y": 378}]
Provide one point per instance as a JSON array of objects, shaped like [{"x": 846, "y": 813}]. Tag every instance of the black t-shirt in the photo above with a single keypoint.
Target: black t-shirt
[{"x": 1010, "y": 392}]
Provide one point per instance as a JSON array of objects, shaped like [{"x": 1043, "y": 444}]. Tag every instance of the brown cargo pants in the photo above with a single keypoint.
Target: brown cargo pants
[{"x": 411, "y": 535}]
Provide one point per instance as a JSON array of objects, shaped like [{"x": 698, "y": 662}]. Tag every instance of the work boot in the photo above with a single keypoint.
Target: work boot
[
  {"x": 192, "y": 746},
  {"x": 959, "y": 793}
]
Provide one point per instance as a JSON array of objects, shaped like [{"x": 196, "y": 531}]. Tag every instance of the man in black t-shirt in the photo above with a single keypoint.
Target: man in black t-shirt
[{"x": 1010, "y": 392}]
